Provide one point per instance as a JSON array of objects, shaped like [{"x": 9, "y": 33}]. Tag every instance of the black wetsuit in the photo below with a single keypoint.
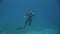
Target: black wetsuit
[{"x": 29, "y": 19}]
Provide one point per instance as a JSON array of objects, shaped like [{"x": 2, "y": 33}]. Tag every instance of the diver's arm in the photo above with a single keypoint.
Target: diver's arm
[{"x": 26, "y": 15}]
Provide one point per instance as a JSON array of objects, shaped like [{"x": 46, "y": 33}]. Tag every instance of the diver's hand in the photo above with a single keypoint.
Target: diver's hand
[{"x": 24, "y": 16}]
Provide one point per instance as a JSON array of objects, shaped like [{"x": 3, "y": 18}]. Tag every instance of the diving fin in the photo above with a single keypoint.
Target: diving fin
[{"x": 19, "y": 28}]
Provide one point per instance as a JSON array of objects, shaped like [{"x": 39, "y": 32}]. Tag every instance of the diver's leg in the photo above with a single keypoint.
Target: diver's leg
[
  {"x": 26, "y": 22},
  {"x": 24, "y": 25},
  {"x": 30, "y": 21}
]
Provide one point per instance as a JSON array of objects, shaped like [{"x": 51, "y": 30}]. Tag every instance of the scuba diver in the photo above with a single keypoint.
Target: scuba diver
[{"x": 29, "y": 19}]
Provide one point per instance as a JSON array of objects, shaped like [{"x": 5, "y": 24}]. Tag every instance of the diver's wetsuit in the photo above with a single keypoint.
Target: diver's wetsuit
[{"x": 29, "y": 20}]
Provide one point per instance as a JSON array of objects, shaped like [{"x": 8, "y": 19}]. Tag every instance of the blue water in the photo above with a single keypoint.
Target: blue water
[{"x": 45, "y": 21}]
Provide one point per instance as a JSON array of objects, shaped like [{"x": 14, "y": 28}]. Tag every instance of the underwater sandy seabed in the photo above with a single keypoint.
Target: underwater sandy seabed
[{"x": 32, "y": 31}]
